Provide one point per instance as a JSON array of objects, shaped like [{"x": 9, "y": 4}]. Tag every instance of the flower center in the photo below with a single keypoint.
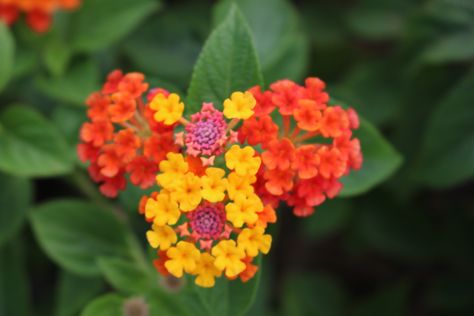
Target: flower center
[{"x": 208, "y": 220}]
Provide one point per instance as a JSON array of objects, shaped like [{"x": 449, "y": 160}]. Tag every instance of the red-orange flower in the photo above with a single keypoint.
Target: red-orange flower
[
  {"x": 280, "y": 154},
  {"x": 142, "y": 171},
  {"x": 306, "y": 161},
  {"x": 308, "y": 114}
]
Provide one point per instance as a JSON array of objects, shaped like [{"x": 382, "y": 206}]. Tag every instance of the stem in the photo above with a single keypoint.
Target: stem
[
  {"x": 232, "y": 124},
  {"x": 183, "y": 121},
  {"x": 305, "y": 137},
  {"x": 286, "y": 125}
]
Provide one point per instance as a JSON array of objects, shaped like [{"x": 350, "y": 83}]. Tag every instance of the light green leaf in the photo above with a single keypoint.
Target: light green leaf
[
  {"x": 447, "y": 153},
  {"x": 75, "y": 234},
  {"x": 227, "y": 63},
  {"x": 75, "y": 86},
  {"x": 14, "y": 283},
  {"x": 106, "y": 305},
  {"x": 230, "y": 298},
  {"x": 15, "y": 199},
  {"x": 31, "y": 146},
  {"x": 281, "y": 44},
  {"x": 381, "y": 160},
  {"x": 100, "y": 23},
  {"x": 74, "y": 292},
  {"x": 7, "y": 55},
  {"x": 127, "y": 276}
]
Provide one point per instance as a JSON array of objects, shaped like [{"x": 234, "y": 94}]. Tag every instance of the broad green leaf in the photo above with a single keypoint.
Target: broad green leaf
[
  {"x": 170, "y": 55},
  {"x": 75, "y": 234},
  {"x": 15, "y": 199},
  {"x": 228, "y": 62},
  {"x": 31, "y": 146},
  {"x": 100, "y": 23},
  {"x": 381, "y": 160},
  {"x": 230, "y": 298},
  {"x": 328, "y": 219},
  {"x": 106, "y": 305},
  {"x": 7, "y": 55},
  {"x": 447, "y": 152},
  {"x": 74, "y": 292},
  {"x": 281, "y": 44},
  {"x": 75, "y": 86},
  {"x": 127, "y": 275},
  {"x": 14, "y": 283},
  {"x": 313, "y": 295}
]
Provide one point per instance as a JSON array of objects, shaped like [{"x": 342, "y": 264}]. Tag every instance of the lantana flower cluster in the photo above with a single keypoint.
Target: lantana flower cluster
[
  {"x": 38, "y": 13},
  {"x": 304, "y": 159},
  {"x": 218, "y": 175}
]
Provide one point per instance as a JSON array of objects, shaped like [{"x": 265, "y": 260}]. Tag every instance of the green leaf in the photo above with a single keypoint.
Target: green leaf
[
  {"x": 447, "y": 153},
  {"x": 74, "y": 292},
  {"x": 31, "y": 146},
  {"x": 452, "y": 47},
  {"x": 281, "y": 45},
  {"x": 75, "y": 86},
  {"x": 7, "y": 55},
  {"x": 75, "y": 234},
  {"x": 228, "y": 62},
  {"x": 328, "y": 219},
  {"x": 106, "y": 305},
  {"x": 127, "y": 276},
  {"x": 230, "y": 297},
  {"x": 381, "y": 160},
  {"x": 313, "y": 295},
  {"x": 56, "y": 56},
  {"x": 14, "y": 283},
  {"x": 15, "y": 199},
  {"x": 100, "y": 23}
]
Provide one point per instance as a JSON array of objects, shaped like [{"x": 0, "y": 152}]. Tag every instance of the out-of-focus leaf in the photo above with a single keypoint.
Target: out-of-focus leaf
[
  {"x": 329, "y": 218},
  {"x": 451, "y": 48},
  {"x": 75, "y": 234},
  {"x": 56, "y": 55},
  {"x": 168, "y": 48},
  {"x": 7, "y": 55},
  {"x": 447, "y": 152},
  {"x": 69, "y": 120},
  {"x": 74, "y": 292},
  {"x": 229, "y": 298},
  {"x": 313, "y": 295},
  {"x": 106, "y": 305},
  {"x": 281, "y": 44},
  {"x": 100, "y": 23},
  {"x": 31, "y": 146},
  {"x": 390, "y": 301},
  {"x": 451, "y": 294},
  {"x": 228, "y": 62},
  {"x": 15, "y": 199},
  {"x": 127, "y": 276},
  {"x": 380, "y": 161},
  {"x": 373, "y": 89},
  {"x": 14, "y": 283},
  {"x": 75, "y": 86}
]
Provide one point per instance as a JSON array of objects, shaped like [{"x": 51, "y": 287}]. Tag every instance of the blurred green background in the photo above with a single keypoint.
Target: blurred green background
[{"x": 404, "y": 247}]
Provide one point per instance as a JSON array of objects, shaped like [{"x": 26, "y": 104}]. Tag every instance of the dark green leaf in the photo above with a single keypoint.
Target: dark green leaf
[
  {"x": 227, "y": 63},
  {"x": 15, "y": 199},
  {"x": 14, "y": 283},
  {"x": 74, "y": 292},
  {"x": 7, "y": 55},
  {"x": 31, "y": 146},
  {"x": 381, "y": 160},
  {"x": 328, "y": 219},
  {"x": 100, "y": 23},
  {"x": 74, "y": 88},
  {"x": 390, "y": 301},
  {"x": 75, "y": 234},
  {"x": 447, "y": 153}
]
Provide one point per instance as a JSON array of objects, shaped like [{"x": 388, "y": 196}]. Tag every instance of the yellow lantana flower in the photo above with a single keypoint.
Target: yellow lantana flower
[
  {"x": 244, "y": 209},
  {"x": 213, "y": 185},
  {"x": 240, "y": 105},
  {"x": 163, "y": 210},
  {"x": 242, "y": 160},
  {"x": 228, "y": 257},
  {"x": 168, "y": 109},
  {"x": 240, "y": 184},
  {"x": 172, "y": 170},
  {"x": 254, "y": 240},
  {"x": 206, "y": 271},
  {"x": 161, "y": 236},
  {"x": 183, "y": 257},
  {"x": 188, "y": 193}
]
